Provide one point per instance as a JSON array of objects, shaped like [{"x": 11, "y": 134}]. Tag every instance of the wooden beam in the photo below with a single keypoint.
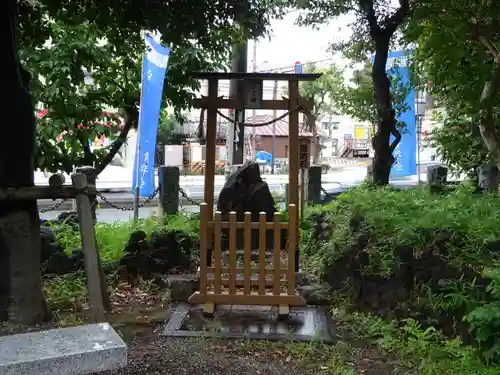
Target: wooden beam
[
  {"x": 41, "y": 192},
  {"x": 293, "y": 165},
  {"x": 210, "y": 149},
  {"x": 282, "y": 104},
  {"x": 249, "y": 299},
  {"x": 257, "y": 76}
]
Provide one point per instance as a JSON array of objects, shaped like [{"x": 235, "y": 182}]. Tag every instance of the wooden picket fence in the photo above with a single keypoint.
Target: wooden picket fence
[{"x": 274, "y": 285}]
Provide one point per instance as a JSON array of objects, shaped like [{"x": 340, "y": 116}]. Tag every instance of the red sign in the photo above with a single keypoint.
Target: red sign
[{"x": 298, "y": 67}]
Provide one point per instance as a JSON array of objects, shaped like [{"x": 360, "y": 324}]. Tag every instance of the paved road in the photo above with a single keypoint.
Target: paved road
[
  {"x": 335, "y": 182},
  {"x": 193, "y": 186}
]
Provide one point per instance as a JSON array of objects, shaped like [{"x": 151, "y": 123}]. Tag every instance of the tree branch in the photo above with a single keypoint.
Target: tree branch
[
  {"x": 87, "y": 152},
  {"x": 132, "y": 116},
  {"x": 369, "y": 12},
  {"x": 392, "y": 23}
]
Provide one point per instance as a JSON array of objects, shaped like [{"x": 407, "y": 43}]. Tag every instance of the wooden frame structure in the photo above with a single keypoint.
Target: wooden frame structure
[
  {"x": 80, "y": 190},
  {"x": 211, "y": 226}
]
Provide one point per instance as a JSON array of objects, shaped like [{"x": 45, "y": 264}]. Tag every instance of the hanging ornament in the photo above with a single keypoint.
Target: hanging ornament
[{"x": 236, "y": 134}]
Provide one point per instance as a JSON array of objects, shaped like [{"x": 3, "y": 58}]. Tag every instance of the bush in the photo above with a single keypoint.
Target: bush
[
  {"x": 173, "y": 237},
  {"x": 408, "y": 254}
]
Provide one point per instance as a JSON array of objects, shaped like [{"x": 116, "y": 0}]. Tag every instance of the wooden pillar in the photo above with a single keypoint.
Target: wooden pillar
[
  {"x": 213, "y": 85},
  {"x": 293, "y": 158}
]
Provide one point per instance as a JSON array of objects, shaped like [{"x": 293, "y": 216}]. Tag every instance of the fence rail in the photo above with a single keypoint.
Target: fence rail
[{"x": 230, "y": 284}]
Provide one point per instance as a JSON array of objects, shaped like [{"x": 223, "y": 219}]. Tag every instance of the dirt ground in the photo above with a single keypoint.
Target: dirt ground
[{"x": 139, "y": 318}]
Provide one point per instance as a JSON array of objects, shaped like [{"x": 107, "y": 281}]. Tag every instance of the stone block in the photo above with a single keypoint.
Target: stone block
[
  {"x": 315, "y": 294},
  {"x": 488, "y": 177},
  {"x": 182, "y": 286},
  {"x": 437, "y": 175},
  {"x": 65, "y": 351}
]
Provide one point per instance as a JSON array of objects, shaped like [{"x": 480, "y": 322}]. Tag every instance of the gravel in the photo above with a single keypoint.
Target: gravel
[{"x": 177, "y": 356}]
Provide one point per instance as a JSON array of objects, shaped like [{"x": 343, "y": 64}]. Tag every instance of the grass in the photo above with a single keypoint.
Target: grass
[
  {"x": 68, "y": 293},
  {"x": 112, "y": 237},
  {"x": 427, "y": 266},
  {"x": 367, "y": 344}
]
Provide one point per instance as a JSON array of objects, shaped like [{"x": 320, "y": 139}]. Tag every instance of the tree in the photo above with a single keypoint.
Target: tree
[
  {"x": 169, "y": 133},
  {"x": 356, "y": 99},
  {"x": 191, "y": 28},
  {"x": 374, "y": 31},
  {"x": 73, "y": 106},
  {"x": 458, "y": 51},
  {"x": 320, "y": 92}
]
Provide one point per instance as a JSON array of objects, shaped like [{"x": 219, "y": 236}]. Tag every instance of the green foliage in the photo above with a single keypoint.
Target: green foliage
[
  {"x": 357, "y": 99},
  {"x": 323, "y": 89},
  {"x": 424, "y": 348},
  {"x": 169, "y": 130},
  {"x": 69, "y": 292},
  {"x": 456, "y": 46},
  {"x": 112, "y": 237},
  {"x": 60, "y": 39},
  {"x": 58, "y": 85},
  {"x": 413, "y": 255},
  {"x": 459, "y": 144}
]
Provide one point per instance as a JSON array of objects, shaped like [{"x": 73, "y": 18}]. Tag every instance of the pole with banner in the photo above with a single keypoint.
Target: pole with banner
[
  {"x": 154, "y": 67},
  {"x": 405, "y": 163}
]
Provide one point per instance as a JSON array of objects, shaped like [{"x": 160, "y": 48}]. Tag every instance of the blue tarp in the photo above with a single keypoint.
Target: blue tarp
[{"x": 263, "y": 157}]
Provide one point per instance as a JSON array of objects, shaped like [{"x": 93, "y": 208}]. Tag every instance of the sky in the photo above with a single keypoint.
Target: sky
[{"x": 289, "y": 43}]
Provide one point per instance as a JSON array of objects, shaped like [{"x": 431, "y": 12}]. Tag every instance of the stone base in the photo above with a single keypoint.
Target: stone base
[
  {"x": 250, "y": 322},
  {"x": 182, "y": 286},
  {"x": 315, "y": 294},
  {"x": 70, "y": 351}
]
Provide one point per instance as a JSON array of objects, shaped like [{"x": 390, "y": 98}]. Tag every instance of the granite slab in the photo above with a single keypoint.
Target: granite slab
[
  {"x": 308, "y": 324},
  {"x": 65, "y": 351}
]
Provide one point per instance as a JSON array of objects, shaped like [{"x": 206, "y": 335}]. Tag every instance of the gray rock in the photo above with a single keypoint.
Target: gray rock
[
  {"x": 437, "y": 175},
  {"x": 488, "y": 177},
  {"x": 315, "y": 294},
  {"x": 71, "y": 351},
  {"x": 301, "y": 279},
  {"x": 182, "y": 286}
]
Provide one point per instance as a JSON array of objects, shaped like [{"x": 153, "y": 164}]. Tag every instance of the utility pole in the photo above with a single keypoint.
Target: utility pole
[
  {"x": 238, "y": 65},
  {"x": 254, "y": 112},
  {"x": 275, "y": 114}
]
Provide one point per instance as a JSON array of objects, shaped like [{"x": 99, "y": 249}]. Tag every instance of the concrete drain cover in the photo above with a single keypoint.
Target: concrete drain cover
[{"x": 250, "y": 322}]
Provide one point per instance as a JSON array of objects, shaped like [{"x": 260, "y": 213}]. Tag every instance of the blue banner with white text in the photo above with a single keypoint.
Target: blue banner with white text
[
  {"x": 153, "y": 75},
  {"x": 406, "y": 151}
]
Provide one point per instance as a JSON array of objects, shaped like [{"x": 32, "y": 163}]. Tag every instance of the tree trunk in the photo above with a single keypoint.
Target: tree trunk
[
  {"x": 487, "y": 124},
  {"x": 21, "y": 296},
  {"x": 383, "y": 158}
]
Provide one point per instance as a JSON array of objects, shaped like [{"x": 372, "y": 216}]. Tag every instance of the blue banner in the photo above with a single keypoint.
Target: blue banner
[
  {"x": 153, "y": 75},
  {"x": 406, "y": 151}
]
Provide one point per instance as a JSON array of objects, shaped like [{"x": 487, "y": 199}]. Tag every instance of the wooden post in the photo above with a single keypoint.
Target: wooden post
[
  {"x": 92, "y": 259},
  {"x": 210, "y": 148},
  {"x": 293, "y": 158},
  {"x": 91, "y": 176}
]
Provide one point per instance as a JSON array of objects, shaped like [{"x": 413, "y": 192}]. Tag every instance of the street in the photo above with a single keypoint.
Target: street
[{"x": 336, "y": 180}]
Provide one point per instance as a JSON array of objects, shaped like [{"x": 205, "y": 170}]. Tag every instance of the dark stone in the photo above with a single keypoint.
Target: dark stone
[
  {"x": 437, "y": 176},
  {"x": 245, "y": 191},
  {"x": 488, "y": 177},
  {"x": 165, "y": 250},
  {"x": 301, "y": 279},
  {"x": 137, "y": 258},
  {"x": 182, "y": 286},
  {"x": 69, "y": 218},
  {"x": 315, "y": 294}
]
